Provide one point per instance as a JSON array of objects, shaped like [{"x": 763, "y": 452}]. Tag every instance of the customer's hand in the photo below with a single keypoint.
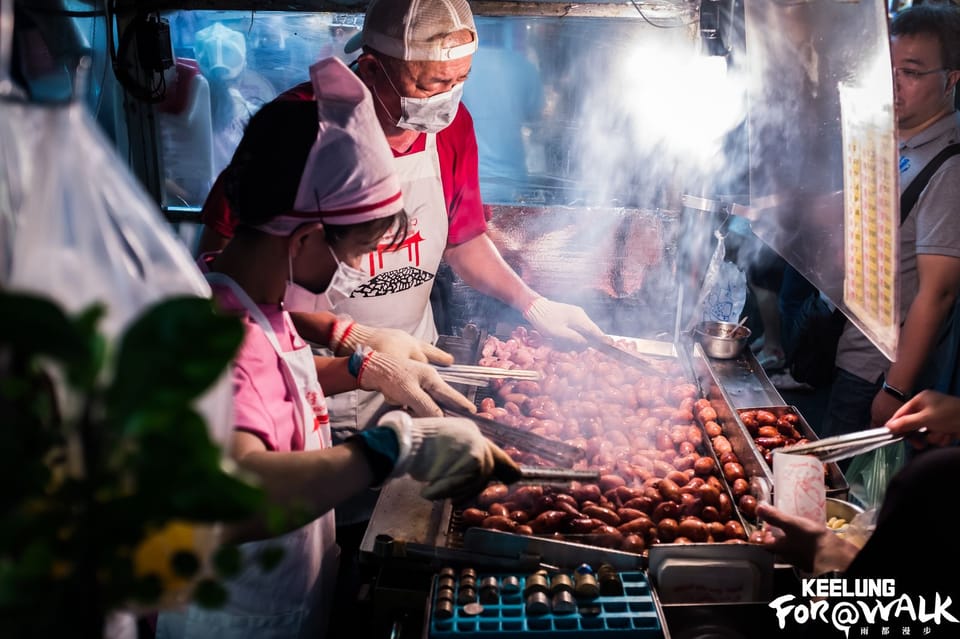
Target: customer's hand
[
  {"x": 347, "y": 335},
  {"x": 938, "y": 413},
  {"x": 449, "y": 454},
  {"x": 404, "y": 382},
  {"x": 562, "y": 321},
  {"x": 808, "y": 545}
]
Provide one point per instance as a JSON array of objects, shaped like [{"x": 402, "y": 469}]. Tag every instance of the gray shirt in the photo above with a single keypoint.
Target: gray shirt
[{"x": 932, "y": 228}]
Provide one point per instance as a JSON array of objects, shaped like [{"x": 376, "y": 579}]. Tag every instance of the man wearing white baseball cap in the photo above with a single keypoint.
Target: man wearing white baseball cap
[{"x": 346, "y": 197}]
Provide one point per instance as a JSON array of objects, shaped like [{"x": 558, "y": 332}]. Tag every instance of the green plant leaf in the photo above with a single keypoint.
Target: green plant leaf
[
  {"x": 210, "y": 594},
  {"x": 34, "y": 325},
  {"x": 270, "y": 557},
  {"x": 172, "y": 354},
  {"x": 228, "y": 561}
]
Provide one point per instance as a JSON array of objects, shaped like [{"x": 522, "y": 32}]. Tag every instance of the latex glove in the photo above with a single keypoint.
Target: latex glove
[
  {"x": 448, "y": 453},
  {"x": 564, "y": 321},
  {"x": 404, "y": 382},
  {"x": 346, "y": 335}
]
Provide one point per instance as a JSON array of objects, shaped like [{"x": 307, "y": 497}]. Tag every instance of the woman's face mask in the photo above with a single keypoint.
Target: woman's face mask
[
  {"x": 426, "y": 115},
  {"x": 346, "y": 279}
]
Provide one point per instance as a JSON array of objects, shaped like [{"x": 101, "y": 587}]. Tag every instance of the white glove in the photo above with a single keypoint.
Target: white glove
[
  {"x": 404, "y": 382},
  {"x": 564, "y": 321},
  {"x": 448, "y": 453},
  {"x": 346, "y": 335}
]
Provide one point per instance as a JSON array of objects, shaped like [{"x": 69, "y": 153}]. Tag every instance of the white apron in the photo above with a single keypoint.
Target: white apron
[
  {"x": 381, "y": 302},
  {"x": 293, "y": 599}
]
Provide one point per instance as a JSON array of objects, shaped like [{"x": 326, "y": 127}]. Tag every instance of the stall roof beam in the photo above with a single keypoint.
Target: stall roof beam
[{"x": 636, "y": 10}]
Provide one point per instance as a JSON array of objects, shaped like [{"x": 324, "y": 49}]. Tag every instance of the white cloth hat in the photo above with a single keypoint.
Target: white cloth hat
[
  {"x": 415, "y": 29},
  {"x": 349, "y": 176},
  {"x": 220, "y": 51}
]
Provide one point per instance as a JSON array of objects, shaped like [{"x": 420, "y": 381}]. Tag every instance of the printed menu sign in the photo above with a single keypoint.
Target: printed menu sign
[{"x": 871, "y": 216}]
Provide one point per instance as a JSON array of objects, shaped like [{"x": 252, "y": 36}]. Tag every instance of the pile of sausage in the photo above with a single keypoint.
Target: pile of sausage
[
  {"x": 732, "y": 468},
  {"x": 771, "y": 431},
  {"x": 658, "y": 482}
]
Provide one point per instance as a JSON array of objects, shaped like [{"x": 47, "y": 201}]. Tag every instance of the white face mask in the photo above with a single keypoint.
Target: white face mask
[
  {"x": 346, "y": 279},
  {"x": 426, "y": 115}
]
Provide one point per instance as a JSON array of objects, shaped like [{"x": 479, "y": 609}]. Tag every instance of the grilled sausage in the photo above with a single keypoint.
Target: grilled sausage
[{"x": 492, "y": 494}]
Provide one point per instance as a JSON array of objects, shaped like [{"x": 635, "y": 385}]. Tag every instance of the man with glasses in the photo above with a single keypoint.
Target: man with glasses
[{"x": 869, "y": 389}]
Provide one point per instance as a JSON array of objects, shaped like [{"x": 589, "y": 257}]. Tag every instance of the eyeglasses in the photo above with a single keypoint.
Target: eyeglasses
[{"x": 914, "y": 75}]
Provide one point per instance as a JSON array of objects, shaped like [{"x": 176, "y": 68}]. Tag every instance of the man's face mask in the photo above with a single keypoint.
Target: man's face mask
[
  {"x": 346, "y": 279},
  {"x": 426, "y": 115}
]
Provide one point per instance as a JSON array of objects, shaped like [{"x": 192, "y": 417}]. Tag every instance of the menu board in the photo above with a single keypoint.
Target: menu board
[{"x": 871, "y": 217}]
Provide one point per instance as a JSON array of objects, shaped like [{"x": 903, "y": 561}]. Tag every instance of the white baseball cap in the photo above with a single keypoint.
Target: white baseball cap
[{"x": 416, "y": 29}]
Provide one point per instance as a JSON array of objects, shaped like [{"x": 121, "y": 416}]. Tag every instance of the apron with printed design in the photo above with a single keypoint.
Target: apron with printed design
[
  {"x": 398, "y": 293},
  {"x": 291, "y": 600},
  {"x": 397, "y": 296}
]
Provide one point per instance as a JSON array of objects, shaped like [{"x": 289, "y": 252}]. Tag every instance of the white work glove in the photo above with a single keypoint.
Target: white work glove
[
  {"x": 447, "y": 453},
  {"x": 563, "y": 321},
  {"x": 347, "y": 335},
  {"x": 404, "y": 382}
]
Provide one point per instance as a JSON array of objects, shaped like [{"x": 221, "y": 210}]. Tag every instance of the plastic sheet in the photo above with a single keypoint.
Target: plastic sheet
[{"x": 79, "y": 229}]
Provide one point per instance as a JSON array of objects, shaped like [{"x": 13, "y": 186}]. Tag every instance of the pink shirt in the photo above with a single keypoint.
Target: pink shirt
[{"x": 263, "y": 406}]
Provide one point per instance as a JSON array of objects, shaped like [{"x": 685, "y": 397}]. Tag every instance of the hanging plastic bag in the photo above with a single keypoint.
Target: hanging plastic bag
[
  {"x": 724, "y": 289},
  {"x": 81, "y": 230}
]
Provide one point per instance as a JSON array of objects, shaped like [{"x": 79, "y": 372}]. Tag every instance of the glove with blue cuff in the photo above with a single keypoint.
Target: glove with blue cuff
[{"x": 449, "y": 454}]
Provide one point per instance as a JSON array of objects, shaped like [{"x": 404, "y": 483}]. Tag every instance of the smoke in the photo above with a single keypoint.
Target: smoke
[{"x": 657, "y": 123}]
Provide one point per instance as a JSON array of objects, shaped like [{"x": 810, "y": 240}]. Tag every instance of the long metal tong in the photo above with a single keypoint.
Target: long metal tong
[
  {"x": 841, "y": 447},
  {"x": 481, "y": 375},
  {"x": 501, "y": 434},
  {"x": 623, "y": 356}
]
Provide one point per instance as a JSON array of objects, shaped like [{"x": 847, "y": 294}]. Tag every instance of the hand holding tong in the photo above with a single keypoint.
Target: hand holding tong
[{"x": 504, "y": 435}]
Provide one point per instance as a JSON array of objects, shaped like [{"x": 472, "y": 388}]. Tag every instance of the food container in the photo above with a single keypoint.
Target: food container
[
  {"x": 722, "y": 340},
  {"x": 842, "y": 509},
  {"x": 836, "y": 483},
  {"x": 635, "y": 612}
]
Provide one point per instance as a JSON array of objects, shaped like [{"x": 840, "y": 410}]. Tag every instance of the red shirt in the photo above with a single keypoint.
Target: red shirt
[{"x": 457, "y": 148}]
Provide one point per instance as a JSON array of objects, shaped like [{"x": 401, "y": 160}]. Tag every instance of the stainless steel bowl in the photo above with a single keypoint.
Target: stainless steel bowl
[
  {"x": 842, "y": 509},
  {"x": 722, "y": 340}
]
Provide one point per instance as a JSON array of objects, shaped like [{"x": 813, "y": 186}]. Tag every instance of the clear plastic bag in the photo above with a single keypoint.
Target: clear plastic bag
[
  {"x": 870, "y": 473},
  {"x": 78, "y": 228},
  {"x": 724, "y": 290}
]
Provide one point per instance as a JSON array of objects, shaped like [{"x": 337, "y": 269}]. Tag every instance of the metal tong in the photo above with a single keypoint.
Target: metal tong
[
  {"x": 504, "y": 435},
  {"x": 841, "y": 447},
  {"x": 481, "y": 375},
  {"x": 605, "y": 346},
  {"x": 541, "y": 475}
]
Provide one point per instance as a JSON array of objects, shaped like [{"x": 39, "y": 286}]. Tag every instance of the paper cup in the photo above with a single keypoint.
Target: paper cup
[{"x": 799, "y": 489}]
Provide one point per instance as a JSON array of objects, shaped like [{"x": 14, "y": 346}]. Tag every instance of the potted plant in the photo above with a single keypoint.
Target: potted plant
[{"x": 112, "y": 486}]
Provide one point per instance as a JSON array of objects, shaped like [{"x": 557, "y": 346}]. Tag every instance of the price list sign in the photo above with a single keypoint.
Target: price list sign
[{"x": 870, "y": 217}]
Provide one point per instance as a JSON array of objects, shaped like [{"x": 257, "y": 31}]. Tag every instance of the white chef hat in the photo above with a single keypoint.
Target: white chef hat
[
  {"x": 415, "y": 29},
  {"x": 221, "y": 52},
  {"x": 349, "y": 176}
]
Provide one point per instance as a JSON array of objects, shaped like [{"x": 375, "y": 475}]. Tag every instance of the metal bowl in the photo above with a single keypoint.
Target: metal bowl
[
  {"x": 842, "y": 509},
  {"x": 722, "y": 340}
]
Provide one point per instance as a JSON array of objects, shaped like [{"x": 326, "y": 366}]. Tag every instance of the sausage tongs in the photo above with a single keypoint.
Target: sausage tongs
[{"x": 845, "y": 446}]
